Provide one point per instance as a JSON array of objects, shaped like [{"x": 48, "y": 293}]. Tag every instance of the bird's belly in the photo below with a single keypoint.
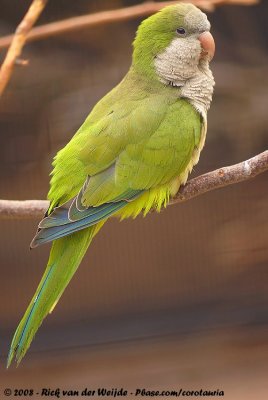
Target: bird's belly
[
  {"x": 158, "y": 197},
  {"x": 182, "y": 178}
]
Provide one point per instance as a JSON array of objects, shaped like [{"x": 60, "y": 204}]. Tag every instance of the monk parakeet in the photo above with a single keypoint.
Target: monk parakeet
[{"x": 132, "y": 153}]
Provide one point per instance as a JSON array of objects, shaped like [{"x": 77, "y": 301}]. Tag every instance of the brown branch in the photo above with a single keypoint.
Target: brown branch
[
  {"x": 18, "y": 40},
  {"x": 22, "y": 209},
  {"x": 103, "y": 17},
  {"x": 223, "y": 177},
  {"x": 13, "y": 209}
]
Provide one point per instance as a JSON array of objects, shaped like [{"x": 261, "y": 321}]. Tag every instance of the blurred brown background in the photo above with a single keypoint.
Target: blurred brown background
[{"x": 174, "y": 300}]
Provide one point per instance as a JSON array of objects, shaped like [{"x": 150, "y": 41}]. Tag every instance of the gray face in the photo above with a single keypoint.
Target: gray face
[
  {"x": 183, "y": 64},
  {"x": 181, "y": 60},
  {"x": 197, "y": 22}
]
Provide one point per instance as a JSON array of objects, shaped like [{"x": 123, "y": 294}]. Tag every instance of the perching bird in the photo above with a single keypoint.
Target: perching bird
[{"x": 132, "y": 153}]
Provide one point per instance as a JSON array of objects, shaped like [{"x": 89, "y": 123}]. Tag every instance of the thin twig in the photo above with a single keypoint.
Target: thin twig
[
  {"x": 18, "y": 40},
  {"x": 103, "y": 17},
  {"x": 14, "y": 209}
]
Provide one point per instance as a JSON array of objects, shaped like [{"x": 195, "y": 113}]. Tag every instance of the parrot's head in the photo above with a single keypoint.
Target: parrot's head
[{"x": 174, "y": 44}]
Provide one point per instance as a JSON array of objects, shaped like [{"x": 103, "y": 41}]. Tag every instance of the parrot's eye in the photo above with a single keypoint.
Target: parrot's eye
[{"x": 181, "y": 31}]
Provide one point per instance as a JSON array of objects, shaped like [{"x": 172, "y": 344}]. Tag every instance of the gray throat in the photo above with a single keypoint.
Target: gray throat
[
  {"x": 199, "y": 89},
  {"x": 184, "y": 70}
]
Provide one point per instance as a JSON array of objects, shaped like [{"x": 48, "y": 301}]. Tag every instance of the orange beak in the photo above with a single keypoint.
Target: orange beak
[{"x": 207, "y": 44}]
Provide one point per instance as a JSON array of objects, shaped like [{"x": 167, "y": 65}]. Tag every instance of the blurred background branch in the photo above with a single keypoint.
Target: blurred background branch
[
  {"x": 122, "y": 14},
  {"x": 25, "y": 209},
  {"x": 18, "y": 40}
]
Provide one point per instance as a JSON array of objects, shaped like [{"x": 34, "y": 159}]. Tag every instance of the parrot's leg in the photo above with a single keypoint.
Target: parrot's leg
[{"x": 65, "y": 256}]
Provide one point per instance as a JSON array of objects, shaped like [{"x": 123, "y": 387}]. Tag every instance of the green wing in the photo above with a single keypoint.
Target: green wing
[
  {"x": 156, "y": 160},
  {"x": 132, "y": 142},
  {"x": 126, "y": 115}
]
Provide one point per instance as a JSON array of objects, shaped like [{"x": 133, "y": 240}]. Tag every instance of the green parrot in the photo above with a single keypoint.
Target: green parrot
[{"x": 132, "y": 153}]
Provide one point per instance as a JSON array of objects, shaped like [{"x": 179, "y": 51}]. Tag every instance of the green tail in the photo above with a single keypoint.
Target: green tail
[{"x": 65, "y": 256}]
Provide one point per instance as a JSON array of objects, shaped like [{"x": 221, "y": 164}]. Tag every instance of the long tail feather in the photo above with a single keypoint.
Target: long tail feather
[{"x": 65, "y": 257}]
